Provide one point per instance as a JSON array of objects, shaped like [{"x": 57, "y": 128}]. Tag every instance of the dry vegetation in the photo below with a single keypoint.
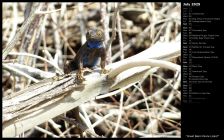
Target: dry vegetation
[{"x": 38, "y": 38}]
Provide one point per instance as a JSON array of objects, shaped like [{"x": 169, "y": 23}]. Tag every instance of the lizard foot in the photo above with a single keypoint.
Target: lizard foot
[
  {"x": 79, "y": 76},
  {"x": 104, "y": 71}
]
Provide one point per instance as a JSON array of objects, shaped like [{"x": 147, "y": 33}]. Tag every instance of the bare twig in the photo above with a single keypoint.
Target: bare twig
[
  {"x": 121, "y": 42},
  {"x": 105, "y": 22},
  {"x": 41, "y": 58},
  {"x": 10, "y": 68},
  {"x": 148, "y": 62},
  {"x": 82, "y": 23},
  {"x": 34, "y": 72},
  {"x": 119, "y": 116},
  {"x": 15, "y": 12},
  {"x": 21, "y": 30},
  {"x": 58, "y": 55},
  {"x": 138, "y": 132},
  {"x": 46, "y": 132},
  {"x": 109, "y": 43}
]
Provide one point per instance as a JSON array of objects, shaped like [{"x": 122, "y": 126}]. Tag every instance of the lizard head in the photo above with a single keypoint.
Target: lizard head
[{"x": 95, "y": 34}]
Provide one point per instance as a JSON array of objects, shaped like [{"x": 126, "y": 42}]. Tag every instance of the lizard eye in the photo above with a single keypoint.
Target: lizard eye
[{"x": 99, "y": 33}]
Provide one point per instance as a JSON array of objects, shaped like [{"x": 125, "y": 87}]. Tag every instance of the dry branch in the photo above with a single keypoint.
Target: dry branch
[
  {"x": 19, "y": 33},
  {"x": 52, "y": 97}
]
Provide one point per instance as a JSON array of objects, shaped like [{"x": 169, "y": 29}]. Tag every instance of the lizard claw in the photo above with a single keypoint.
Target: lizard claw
[
  {"x": 80, "y": 76},
  {"x": 104, "y": 71}
]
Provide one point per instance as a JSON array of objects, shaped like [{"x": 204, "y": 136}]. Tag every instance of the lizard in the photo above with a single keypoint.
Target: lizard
[
  {"x": 89, "y": 54},
  {"x": 87, "y": 57}
]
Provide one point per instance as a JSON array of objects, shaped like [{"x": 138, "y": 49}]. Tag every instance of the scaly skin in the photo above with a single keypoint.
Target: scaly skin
[
  {"x": 89, "y": 54},
  {"x": 87, "y": 57}
]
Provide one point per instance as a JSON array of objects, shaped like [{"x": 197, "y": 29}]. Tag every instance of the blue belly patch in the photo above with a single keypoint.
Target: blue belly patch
[{"x": 94, "y": 44}]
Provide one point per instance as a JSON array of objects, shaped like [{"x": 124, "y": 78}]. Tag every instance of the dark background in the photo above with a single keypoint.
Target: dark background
[{"x": 205, "y": 119}]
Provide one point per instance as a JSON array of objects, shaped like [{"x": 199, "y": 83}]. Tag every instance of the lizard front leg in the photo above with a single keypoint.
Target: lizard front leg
[
  {"x": 103, "y": 61},
  {"x": 80, "y": 71},
  {"x": 103, "y": 69}
]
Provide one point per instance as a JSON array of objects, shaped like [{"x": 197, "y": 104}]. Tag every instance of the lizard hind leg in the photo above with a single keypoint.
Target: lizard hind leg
[{"x": 80, "y": 76}]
